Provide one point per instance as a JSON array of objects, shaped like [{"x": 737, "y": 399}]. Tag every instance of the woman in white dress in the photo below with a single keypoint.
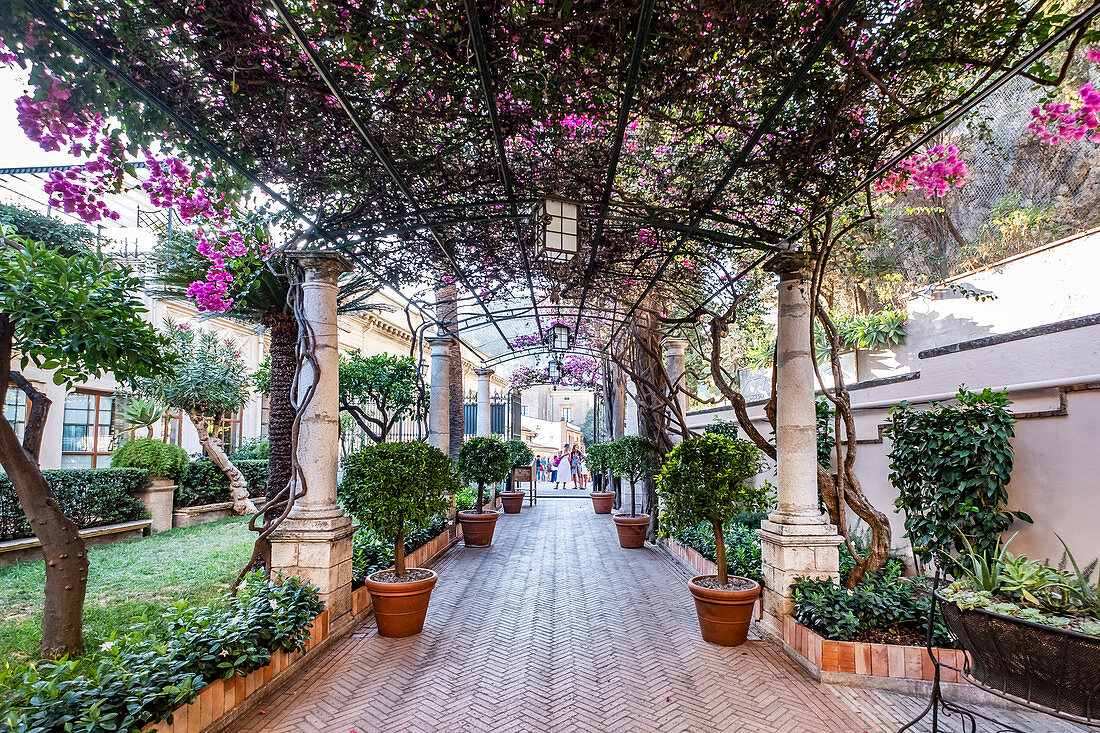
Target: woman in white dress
[{"x": 560, "y": 468}]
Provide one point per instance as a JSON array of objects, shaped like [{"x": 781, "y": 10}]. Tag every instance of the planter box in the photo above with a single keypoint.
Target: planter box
[
  {"x": 845, "y": 662},
  {"x": 695, "y": 561},
  {"x": 157, "y": 498},
  {"x": 189, "y": 516},
  {"x": 423, "y": 557},
  {"x": 28, "y": 548},
  {"x": 221, "y": 701}
]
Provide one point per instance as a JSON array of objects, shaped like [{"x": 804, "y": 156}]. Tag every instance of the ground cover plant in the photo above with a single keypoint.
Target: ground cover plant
[
  {"x": 393, "y": 489},
  {"x": 705, "y": 478},
  {"x": 127, "y": 580},
  {"x": 141, "y": 675}
]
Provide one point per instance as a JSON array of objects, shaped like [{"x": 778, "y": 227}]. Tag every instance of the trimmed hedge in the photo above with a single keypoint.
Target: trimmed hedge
[
  {"x": 139, "y": 679},
  {"x": 91, "y": 497},
  {"x": 203, "y": 483},
  {"x": 160, "y": 459}
]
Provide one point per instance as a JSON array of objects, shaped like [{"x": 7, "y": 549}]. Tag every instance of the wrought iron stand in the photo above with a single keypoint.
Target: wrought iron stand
[{"x": 937, "y": 706}]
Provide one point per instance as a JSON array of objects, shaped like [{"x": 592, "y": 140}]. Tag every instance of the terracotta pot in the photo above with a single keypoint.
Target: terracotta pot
[
  {"x": 513, "y": 501},
  {"x": 400, "y": 608},
  {"x": 724, "y": 615},
  {"x": 477, "y": 527},
  {"x": 631, "y": 530},
  {"x": 602, "y": 501}
]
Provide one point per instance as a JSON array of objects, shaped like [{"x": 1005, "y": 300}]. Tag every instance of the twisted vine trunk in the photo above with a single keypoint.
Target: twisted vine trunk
[
  {"x": 213, "y": 447},
  {"x": 63, "y": 549}
]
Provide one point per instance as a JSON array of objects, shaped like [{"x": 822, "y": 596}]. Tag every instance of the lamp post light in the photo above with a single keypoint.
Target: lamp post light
[
  {"x": 554, "y": 370},
  {"x": 559, "y": 337},
  {"x": 557, "y": 220}
]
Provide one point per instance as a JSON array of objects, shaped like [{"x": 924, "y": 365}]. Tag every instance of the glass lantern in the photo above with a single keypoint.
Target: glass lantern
[{"x": 558, "y": 221}]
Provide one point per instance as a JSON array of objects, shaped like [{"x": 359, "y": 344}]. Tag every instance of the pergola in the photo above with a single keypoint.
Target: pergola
[{"x": 413, "y": 142}]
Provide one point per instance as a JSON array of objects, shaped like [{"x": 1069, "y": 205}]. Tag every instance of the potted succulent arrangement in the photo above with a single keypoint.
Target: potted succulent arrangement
[
  {"x": 519, "y": 456},
  {"x": 393, "y": 489},
  {"x": 634, "y": 458},
  {"x": 705, "y": 478},
  {"x": 599, "y": 461},
  {"x": 482, "y": 461},
  {"x": 1005, "y": 608}
]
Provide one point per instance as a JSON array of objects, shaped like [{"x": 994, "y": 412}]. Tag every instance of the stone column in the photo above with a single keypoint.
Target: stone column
[
  {"x": 315, "y": 539},
  {"x": 796, "y": 539},
  {"x": 630, "y": 426},
  {"x": 484, "y": 415},
  {"x": 439, "y": 410},
  {"x": 676, "y": 366}
]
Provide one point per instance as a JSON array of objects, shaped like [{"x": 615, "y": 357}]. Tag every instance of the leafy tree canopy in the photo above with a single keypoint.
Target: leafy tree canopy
[
  {"x": 484, "y": 460},
  {"x": 634, "y": 457},
  {"x": 388, "y": 382},
  {"x": 519, "y": 453}
]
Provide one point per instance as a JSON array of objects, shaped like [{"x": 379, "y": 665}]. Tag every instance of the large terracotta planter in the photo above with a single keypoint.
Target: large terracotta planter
[
  {"x": 724, "y": 615},
  {"x": 477, "y": 527},
  {"x": 631, "y": 530},
  {"x": 400, "y": 608},
  {"x": 512, "y": 500},
  {"x": 602, "y": 501}
]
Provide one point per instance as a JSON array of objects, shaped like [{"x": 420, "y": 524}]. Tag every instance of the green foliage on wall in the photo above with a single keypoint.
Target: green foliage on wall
[{"x": 951, "y": 466}]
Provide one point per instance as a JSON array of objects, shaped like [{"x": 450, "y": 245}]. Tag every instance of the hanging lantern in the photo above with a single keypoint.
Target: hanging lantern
[
  {"x": 557, "y": 234},
  {"x": 559, "y": 337},
  {"x": 555, "y": 370}
]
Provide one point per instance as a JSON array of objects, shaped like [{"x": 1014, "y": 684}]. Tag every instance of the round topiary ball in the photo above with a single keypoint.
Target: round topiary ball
[{"x": 161, "y": 460}]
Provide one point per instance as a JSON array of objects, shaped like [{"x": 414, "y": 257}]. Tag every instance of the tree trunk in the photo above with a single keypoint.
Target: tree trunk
[
  {"x": 63, "y": 549},
  {"x": 480, "y": 497},
  {"x": 283, "y": 328},
  {"x": 212, "y": 446},
  {"x": 720, "y": 552},
  {"x": 399, "y": 554}
]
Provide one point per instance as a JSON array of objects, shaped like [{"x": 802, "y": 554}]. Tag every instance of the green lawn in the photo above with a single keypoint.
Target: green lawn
[{"x": 139, "y": 577}]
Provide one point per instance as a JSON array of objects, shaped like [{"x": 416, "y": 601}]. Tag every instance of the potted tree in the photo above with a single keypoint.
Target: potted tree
[
  {"x": 705, "y": 479},
  {"x": 519, "y": 456},
  {"x": 483, "y": 461},
  {"x": 599, "y": 461},
  {"x": 393, "y": 489},
  {"x": 635, "y": 459}
]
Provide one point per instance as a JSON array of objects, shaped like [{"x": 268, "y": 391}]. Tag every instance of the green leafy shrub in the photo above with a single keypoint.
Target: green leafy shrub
[
  {"x": 203, "y": 483},
  {"x": 139, "y": 679},
  {"x": 395, "y": 488},
  {"x": 89, "y": 496},
  {"x": 951, "y": 467},
  {"x": 251, "y": 449},
  {"x": 887, "y": 601},
  {"x": 484, "y": 461},
  {"x": 160, "y": 459},
  {"x": 598, "y": 458},
  {"x": 371, "y": 553},
  {"x": 705, "y": 479},
  {"x": 742, "y": 546},
  {"x": 634, "y": 458},
  {"x": 519, "y": 453},
  {"x": 466, "y": 499}
]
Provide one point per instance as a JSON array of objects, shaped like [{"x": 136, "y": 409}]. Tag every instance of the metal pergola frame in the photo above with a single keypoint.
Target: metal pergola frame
[{"x": 419, "y": 219}]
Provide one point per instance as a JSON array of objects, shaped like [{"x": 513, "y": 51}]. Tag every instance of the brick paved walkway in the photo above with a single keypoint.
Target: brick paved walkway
[{"x": 555, "y": 629}]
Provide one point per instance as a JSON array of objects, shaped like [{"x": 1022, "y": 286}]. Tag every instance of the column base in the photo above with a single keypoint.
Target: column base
[
  {"x": 319, "y": 550},
  {"x": 791, "y": 550}
]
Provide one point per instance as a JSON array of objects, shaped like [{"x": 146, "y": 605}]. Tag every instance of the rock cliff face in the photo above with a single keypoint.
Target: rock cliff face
[{"x": 1020, "y": 192}]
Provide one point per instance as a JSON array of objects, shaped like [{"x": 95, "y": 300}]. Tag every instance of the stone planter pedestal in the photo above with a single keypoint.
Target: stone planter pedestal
[{"x": 157, "y": 498}]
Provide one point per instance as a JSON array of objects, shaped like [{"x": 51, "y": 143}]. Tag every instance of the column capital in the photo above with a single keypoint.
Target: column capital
[
  {"x": 675, "y": 343},
  {"x": 322, "y": 265},
  {"x": 439, "y": 340},
  {"x": 790, "y": 264}
]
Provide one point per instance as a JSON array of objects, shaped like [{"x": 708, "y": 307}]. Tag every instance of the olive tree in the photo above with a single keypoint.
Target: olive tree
[
  {"x": 74, "y": 313},
  {"x": 484, "y": 461},
  {"x": 705, "y": 478},
  {"x": 208, "y": 383},
  {"x": 634, "y": 458},
  {"x": 394, "y": 488}
]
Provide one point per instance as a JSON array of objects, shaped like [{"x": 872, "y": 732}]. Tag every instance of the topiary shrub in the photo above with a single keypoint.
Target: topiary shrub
[
  {"x": 160, "y": 459},
  {"x": 396, "y": 488},
  {"x": 91, "y": 497},
  {"x": 951, "y": 466},
  {"x": 635, "y": 458},
  {"x": 705, "y": 479},
  {"x": 204, "y": 484},
  {"x": 519, "y": 453},
  {"x": 484, "y": 461},
  {"x": 598, "y": 458}
]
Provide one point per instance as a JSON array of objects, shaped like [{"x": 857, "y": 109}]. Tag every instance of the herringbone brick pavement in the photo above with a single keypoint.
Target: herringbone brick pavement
[{"x": 557, "y": 629}]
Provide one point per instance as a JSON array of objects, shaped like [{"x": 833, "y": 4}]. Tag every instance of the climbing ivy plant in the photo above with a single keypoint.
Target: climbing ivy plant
[{"x": 951, "y": 466}]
